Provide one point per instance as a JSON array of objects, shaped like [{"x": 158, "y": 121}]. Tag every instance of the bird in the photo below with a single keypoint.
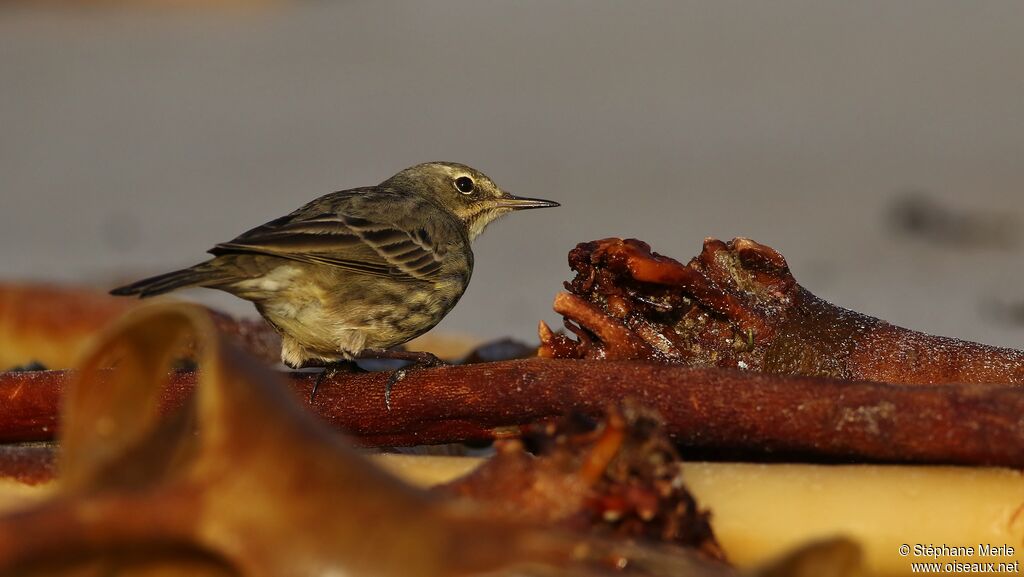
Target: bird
[{"x": 355, "y": 273}]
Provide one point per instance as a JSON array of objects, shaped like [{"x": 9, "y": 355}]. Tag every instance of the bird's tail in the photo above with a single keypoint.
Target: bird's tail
[{"x": 202, "y": 274}]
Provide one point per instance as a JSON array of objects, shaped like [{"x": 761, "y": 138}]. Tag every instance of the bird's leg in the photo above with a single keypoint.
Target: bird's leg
[
  {"x": 420, "y": 359},
  {"x": 330, "y": 369}
]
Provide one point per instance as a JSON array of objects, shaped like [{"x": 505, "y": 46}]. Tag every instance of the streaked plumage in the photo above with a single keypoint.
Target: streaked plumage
[{"x": 359, "y": 270}]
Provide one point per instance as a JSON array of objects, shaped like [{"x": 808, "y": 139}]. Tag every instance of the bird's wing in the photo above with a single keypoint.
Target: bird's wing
[{"x": 361, "y": 231}]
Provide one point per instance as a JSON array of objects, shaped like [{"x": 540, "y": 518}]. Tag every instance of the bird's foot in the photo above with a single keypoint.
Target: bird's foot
[
  {"x": 330, "y": 370},
  {"x": 419, "y": 359}
]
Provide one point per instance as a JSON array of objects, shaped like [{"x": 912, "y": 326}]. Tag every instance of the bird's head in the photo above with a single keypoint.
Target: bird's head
[{"x": 465, "y": 192}]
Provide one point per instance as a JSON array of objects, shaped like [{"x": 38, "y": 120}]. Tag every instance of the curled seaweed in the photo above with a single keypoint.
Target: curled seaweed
[{"x": 241, "y": 480}]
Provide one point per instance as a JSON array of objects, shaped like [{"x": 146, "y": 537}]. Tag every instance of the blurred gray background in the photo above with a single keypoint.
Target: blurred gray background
[{"x": 878, "y": 145}]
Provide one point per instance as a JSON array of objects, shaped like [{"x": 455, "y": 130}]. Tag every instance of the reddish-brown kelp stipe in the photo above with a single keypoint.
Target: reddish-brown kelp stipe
[
  {"x": 736, "y": 304},
  {"x": 720, "y": 413},
  {"x": 29, "y": 464}
]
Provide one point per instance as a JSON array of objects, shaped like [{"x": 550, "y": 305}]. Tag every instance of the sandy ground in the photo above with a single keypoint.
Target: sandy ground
[{"x": 133, "y": 139}]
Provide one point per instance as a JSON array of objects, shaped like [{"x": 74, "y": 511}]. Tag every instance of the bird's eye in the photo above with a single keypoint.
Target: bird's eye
[{"x": 464, "y": 184}]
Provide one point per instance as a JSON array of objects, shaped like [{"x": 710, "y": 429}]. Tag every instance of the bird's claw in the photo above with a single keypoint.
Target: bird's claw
[
  {"x": 393, "y": 379},
  {"x": 423, "y": 360},
  {"x": 328, "y": 372}
]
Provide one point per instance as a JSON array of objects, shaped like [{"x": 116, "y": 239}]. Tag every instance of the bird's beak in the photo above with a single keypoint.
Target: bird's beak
[{"x": 507, "y": 200}]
